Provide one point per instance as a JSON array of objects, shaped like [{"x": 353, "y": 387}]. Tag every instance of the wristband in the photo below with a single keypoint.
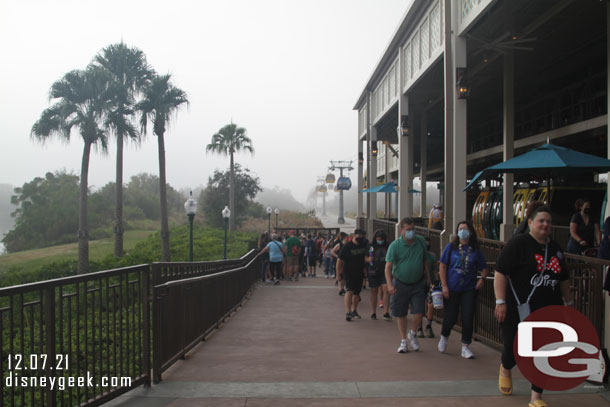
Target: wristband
[{"x": 500, "y": 302}]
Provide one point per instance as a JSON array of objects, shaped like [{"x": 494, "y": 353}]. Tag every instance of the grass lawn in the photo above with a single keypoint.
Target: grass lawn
[{"x": 98, "y": 249}]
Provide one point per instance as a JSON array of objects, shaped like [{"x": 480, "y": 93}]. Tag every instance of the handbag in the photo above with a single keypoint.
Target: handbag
[{"x": 524, "y": 309}]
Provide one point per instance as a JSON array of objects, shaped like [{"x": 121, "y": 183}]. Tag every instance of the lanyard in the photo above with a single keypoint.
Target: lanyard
[{"x": 546, "y": 252}]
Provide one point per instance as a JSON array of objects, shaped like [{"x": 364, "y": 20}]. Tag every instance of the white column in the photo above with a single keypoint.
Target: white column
[
  {"x": 449, "y": 76},
  {"x": 386, "y": 179},
  {"x": 360, "y": 178},
  {"x": 372, "y": 174},
  {"x": 459, "y": 131},
  {"x": 405, "y": 164},
  {"x": 423, "y": 163},
  {"x": 508, "y": 226},
  {"x": 606, "y": 332}
]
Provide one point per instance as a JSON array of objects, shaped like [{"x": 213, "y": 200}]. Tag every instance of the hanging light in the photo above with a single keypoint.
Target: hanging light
[
  {"x": 403, "y": 129},
  {"x": 374, "y": 149},
  {"x": 463, "y": 89}
]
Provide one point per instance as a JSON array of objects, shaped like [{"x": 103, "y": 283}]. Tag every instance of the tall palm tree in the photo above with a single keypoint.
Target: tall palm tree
[
  {"x": 129, "y": 72},
  {"x": 160, "y": 101},
  {"x": 82, "y": 99},
  {"x": 229, "y": 140}
]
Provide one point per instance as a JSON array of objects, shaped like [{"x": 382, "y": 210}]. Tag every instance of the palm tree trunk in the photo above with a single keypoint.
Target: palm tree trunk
[
  {"x": 83, "y": 232},
  {"x": 232, "y": 194},
  {"x": 165, "y": 256},
  {"x": 118, "y": 226}
]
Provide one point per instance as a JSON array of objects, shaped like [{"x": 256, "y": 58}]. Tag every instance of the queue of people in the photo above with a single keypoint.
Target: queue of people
[{"x": 404, "y": 275}]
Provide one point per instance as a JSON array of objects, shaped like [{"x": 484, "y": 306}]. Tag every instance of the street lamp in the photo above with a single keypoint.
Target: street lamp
[
  {"x": 226, "y": 214},
  {"x": 277, "y": 212},
  {"x": 190, "y": 207},
  {"x": 269, "y": 218}
]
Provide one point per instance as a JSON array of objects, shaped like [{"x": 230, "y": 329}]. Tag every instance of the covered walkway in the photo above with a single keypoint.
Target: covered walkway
[{"x": 289, "y": 345}]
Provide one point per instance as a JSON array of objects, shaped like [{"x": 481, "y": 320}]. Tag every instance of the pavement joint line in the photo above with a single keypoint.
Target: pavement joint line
[{"x": 340, "y": 390}]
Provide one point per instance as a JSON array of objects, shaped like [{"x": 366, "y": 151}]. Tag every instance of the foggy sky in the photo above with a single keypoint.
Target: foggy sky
[{"x": 289, "y": 71}]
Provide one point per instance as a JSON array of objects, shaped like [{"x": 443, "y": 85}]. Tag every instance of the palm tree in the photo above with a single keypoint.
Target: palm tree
[
  {"x": 160, "y": 100},
  {"x": 229, "y": 140},
  {"x": 129, "y": 72},
  {"x": 82, "y": 98}
]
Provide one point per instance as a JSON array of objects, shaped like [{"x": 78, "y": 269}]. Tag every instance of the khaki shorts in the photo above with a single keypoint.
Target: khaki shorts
[{"x": 292, "y": 261}]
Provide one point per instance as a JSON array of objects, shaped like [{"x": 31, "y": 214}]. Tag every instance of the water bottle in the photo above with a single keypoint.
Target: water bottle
[{"x": 371, "y": 250}]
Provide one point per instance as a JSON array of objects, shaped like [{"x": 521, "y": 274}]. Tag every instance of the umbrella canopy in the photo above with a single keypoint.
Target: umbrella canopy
[
  {"x": 546, "y": 160},
  {"x": 390, "y": 187}
]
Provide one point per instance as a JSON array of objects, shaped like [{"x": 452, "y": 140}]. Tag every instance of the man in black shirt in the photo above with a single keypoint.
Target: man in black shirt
[{"x": 351, "y": 265}]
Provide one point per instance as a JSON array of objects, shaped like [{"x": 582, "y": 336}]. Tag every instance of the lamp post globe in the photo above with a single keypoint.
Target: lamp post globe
[
  {"x": 269, "y": 210},
  {"x": 226, "y": 214},
  {"x": 190, "y": 207},
  {"x": 277, "y": 212}
]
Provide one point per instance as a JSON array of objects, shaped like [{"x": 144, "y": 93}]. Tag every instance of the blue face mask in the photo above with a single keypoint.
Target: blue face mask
[
  {"x": 409, "y": 234},
  {"x": 380, "y": 242},
  {"x": 463, "y": 234}
]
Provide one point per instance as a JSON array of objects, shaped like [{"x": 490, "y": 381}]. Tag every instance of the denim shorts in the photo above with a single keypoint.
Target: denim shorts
[{"x": 408, "y": 294}]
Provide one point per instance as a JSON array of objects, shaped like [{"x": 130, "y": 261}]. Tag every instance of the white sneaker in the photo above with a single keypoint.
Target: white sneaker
[
  {"x": 403, "y": 347},
  {"x": 442, "y": 344},
  {"x": 466, "y": 352},
  {"x": 413, "y": 340}
]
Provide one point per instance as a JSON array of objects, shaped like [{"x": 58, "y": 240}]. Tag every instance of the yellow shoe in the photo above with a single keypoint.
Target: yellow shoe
[
  {"x": 505, "y": 384},
  {"x": 538, "y": 403}
]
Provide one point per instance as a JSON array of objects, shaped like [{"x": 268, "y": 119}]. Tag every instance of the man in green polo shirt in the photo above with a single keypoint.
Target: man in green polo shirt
[{"x": 407, "y": 276}]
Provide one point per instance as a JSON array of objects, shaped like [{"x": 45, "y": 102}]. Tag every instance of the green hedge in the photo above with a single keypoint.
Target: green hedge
[{"x": 207, "y": 246}]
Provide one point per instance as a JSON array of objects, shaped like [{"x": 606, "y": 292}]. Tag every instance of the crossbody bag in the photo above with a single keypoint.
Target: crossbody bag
[{"x": 524, "y": 309}]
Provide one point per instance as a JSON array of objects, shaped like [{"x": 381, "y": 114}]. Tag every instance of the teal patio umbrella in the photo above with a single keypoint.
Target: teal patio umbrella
[
  {"x": 546, "y": 160},
  {"x": 389, "y": 187}
]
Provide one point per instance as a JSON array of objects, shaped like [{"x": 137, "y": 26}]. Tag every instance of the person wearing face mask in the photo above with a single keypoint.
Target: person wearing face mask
[
  {"x": 459, "y": 266},
  {"x": 407, "y": 273},
  {"x": 376, "y": 273},
  {"x": 584, "y": 229},
  {"x": 351, "y": 265}
]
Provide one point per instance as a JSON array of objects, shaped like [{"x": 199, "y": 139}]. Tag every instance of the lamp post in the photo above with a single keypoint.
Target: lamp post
[
  {"x": 277, "y": 212},
  {"x": 226, "y": 214},
  {"x": 190, "y": 207},
  {"x": 269, "y": 218}
]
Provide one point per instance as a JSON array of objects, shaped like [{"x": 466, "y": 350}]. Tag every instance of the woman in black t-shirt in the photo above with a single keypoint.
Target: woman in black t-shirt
[
  {"x": 521, "y": 266},
  {"x": 584, "y": 229},
  {"x": 376, "y": 273}
]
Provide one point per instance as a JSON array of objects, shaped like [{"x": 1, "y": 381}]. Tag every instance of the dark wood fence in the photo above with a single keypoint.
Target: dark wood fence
[
  {"x": 93, "y": 325},
  {"x": 98, "y": 325},
  {"x": 185, "y": 311}
]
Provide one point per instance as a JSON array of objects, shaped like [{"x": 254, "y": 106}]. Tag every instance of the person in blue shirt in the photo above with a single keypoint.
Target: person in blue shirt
[
  {"x": 458, "y": 270},
  {"x": 277, "y": 251}
]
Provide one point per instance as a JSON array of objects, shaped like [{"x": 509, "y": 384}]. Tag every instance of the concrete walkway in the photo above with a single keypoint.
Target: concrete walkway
[
  {"x": 331, "y": 221},
  {"x": 290, "y": 345}
]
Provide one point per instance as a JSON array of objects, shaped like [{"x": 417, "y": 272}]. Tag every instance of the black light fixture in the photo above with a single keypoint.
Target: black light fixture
[
  {"x": 404, "y": 125},
  {"x": 463, "y": 89},
  {"x": 374, "y": 149},
  {"x": 360, "y": 157}
]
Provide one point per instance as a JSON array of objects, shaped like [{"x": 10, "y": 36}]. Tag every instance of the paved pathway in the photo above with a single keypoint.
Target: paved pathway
[
  {"x": 289, "y": 346},
  {"x": 331, "y": 221}
]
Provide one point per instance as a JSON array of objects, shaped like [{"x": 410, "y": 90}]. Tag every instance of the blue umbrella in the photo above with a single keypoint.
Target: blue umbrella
[
  {"x": 390, "y": 187},
  {"x": 546, "y": 160}
]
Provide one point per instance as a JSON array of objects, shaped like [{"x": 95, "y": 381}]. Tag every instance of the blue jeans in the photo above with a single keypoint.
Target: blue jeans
[
  {"x": 264, "y": 264},
  {"x": 460, "y": 301},
  {"x": 327, "y": 266}
]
